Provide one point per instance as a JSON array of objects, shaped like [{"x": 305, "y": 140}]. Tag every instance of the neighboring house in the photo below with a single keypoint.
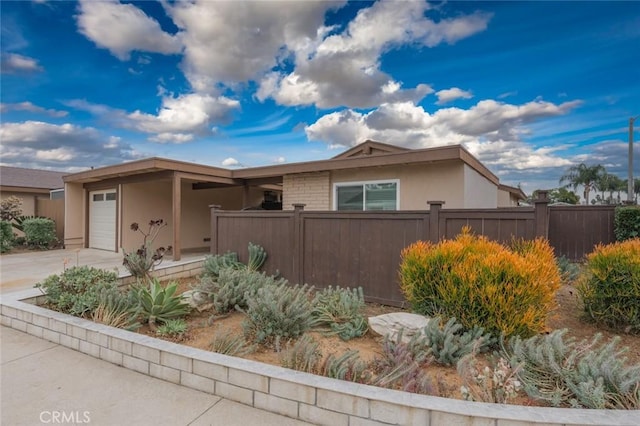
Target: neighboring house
[
  {"x": 102, "y": 203},
  {"x": 30, "y": 185},
  {"x": 510, "y": 196}
]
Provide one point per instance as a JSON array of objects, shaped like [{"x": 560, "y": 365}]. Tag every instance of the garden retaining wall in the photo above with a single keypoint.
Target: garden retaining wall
[{"x": 298, "y": 395}]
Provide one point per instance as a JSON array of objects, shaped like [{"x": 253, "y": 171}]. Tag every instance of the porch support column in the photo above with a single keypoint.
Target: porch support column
[
  {"x": 245, "y": 196},
  {"x": 177, "y": 214}
]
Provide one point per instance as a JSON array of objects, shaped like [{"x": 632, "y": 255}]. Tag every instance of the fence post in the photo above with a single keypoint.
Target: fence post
[
  {"x": 298, "y": 243},
  {"x": 434, "y": 220},
  {"x": 541, "y": 214},
  {"x": 213, "y": 243}
]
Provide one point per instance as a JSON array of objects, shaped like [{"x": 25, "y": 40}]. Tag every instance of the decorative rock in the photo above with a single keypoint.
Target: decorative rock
[
  {"x": 194, "y": 298},
  {"x": 391, "y": 324}
]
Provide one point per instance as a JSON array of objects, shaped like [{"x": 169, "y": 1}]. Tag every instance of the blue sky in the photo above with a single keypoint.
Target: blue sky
[{"x": 530, "y": 88}]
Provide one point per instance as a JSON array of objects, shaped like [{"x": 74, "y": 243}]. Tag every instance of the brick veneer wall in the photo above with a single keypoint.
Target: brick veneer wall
[{"x": 311, "y": 189}]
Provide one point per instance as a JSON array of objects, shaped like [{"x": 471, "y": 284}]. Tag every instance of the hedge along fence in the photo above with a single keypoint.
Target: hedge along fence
[{"x": 298, "y": 395}]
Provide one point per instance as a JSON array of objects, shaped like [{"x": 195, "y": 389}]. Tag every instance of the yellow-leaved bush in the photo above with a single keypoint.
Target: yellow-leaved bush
[
  {"x": 610, "y": 285},
  {"x": 506, "y": 290}
]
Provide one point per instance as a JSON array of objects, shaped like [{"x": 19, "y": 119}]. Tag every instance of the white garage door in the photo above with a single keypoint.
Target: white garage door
[{"x": 102, "y": 219}]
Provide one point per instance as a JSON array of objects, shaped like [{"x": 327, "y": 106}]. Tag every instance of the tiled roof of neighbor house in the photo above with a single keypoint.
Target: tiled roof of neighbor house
[{"x": 31, "y": 178}]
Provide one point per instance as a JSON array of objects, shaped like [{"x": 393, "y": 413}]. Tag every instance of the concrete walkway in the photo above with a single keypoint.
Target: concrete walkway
[{"x": 45, "y": 383}]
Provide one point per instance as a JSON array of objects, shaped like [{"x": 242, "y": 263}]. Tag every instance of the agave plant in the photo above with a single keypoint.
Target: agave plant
[{"x": 157, "y": 303}]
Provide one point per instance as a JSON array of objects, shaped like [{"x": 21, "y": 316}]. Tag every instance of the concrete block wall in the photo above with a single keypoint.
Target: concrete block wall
[{"x": 311, "y": 189}]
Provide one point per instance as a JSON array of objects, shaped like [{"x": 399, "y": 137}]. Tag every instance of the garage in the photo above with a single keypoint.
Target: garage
[{"x": 102, "y": 219}]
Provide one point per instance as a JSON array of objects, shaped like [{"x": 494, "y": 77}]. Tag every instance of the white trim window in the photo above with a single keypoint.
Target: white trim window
[{"x": 368, "y": 195}]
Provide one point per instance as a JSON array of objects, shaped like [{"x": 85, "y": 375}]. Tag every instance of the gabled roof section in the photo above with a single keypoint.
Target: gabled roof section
[
  {"x": 513, "y": 190},
  {"x": 19, "y": 177},
  {"x": 370, "y": 147}
]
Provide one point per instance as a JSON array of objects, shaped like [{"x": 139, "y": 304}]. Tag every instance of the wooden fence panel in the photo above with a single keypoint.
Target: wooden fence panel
[
  {"x": 575, "y": 230},
  {"x": 359, "y": 249},
  {"x": 496, "y": 224},
  {"x": 271, "y": 230},
  {"x": 364, "y": 249},
  {"x": 54, "y": 210}
]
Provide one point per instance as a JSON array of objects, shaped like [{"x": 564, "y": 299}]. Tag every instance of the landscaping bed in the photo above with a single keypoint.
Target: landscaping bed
[{"x": 522, "y": 358}]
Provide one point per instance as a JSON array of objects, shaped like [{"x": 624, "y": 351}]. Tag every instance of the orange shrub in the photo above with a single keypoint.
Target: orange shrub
[{"x": 481, "y": 282}]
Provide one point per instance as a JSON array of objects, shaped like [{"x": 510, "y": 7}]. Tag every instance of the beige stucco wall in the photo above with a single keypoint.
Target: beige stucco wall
[
  {"x": 74, "y": 215},
  {"x": 142, "y": 202},
  {"x": 28, "y": 200},
  {"x": 418, "y": 183},
  {"x": 480, "y": 192},
  {"x": 507, "y": 199},
  {"x": 312, "y": 189}
]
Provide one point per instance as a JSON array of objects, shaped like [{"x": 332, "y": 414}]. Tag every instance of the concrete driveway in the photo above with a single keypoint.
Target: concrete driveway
[{"x": 21, "y": 271}]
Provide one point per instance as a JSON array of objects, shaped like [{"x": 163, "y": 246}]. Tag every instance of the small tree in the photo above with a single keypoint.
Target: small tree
[
  {"x": 141, "y": 262},
  {"x": 10, "y": 208}
]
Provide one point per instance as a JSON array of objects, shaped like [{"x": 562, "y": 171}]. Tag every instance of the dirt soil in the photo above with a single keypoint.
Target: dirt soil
[{"x": 203, "y": 327}]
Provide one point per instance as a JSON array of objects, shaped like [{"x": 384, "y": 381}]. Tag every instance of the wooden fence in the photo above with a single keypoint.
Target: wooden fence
[
  {"x": 53, "y": 209},
  {"x": 364, "y": 248}
]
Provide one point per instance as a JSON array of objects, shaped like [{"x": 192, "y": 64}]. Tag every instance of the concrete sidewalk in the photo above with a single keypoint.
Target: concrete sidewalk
[
  {"x": 42, "y": 381},
  {"x": 45, "y": 383}
]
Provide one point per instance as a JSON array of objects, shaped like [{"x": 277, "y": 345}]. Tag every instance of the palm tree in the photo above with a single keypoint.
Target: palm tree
[
  {"x": 604, "y": 183},
  {"x": 584, "y": 175}
]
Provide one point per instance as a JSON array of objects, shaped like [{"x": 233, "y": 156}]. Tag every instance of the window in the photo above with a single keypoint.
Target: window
[
  {"x": 110, "y": 196},
  {"x": 98, "y": 197},
  {"x": 374, "y": 195}
]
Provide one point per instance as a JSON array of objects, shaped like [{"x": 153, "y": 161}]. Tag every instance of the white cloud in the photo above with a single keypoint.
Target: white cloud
[
  {"x": 232, "y": 42},
  {"x": 230, "y": 162},
  {"x": 12, "y": 63},
  {"x": 123, "y": 28},
  {"x": 448, "y": 95},
  {"x": 280, "y": 160},
  {"x": 29, "y": 107},
  {"x": 490, "y": 130},
  {"x": 344, "y": 69},
  {"x": 40, "y": 144},
  {"x": 192, "y": 113},
  {"x": 179, "y": 119}
]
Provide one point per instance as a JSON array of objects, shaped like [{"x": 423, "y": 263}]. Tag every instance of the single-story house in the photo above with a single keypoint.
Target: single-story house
[
  {"x": 102, "y": 203},
  {"x": 30, "y": 185}
]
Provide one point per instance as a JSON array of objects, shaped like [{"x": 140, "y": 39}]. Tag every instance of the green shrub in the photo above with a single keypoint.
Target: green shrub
[
  {"x": 449, "y": 342},
  {"x": 277, "y": 312},
  {"x": 39, "y": 232},
  {"x": 6, "y": 236},
  {"x": 564, "y": 372},
  {"x": 175, "y": 328},
  {"x": 340, "y": 311},
  {"x": 156, "y": 303},
  {"x": 347, "y": 366},
  {"x": 304, "y": 355},
  {"x": 610, "y": 286},
  {"x": 232, "y": 287},
  {"x": 77, "y": 290},
  {"x": 214, "y": 264},
  {"x": 569, "y": 271},
  {"x": 626, "y": 223},
  {"x": 482, "y": 283},
  {"x": 228, "y": 343},
  {"x": 257, "y": 257},
  {"x": 115, "y": 309}
]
